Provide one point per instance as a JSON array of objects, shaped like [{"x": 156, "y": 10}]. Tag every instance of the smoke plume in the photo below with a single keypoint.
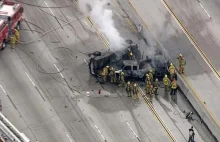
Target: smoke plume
[{"x": 102, "y": 17}]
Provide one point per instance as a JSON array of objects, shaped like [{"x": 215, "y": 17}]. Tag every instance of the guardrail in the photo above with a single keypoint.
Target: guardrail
[{"x": 11, "y": 131}]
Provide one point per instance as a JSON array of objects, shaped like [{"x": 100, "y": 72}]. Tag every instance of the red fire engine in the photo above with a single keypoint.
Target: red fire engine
[{"x": 12, "y": 13}]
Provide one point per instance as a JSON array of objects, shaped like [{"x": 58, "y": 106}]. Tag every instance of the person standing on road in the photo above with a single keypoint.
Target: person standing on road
[
  {"x": 171, "y": 71},
  {"x": 191, "y": 135},
  {"x": 173, "y": 87},
  {"x": 128, "y": 88},
  {"x": 105, "y": 73},
  {"x": 152, "y": 93},
  {"x": 17, "y": 35},
  {"x": 182, "y": 63},
  {"x": 156, "y": 86},
  {"x": 122, "y": 79},
  {"x": 13, "y": 41},
  {"x": 151, "y": 76},
  {"x": 166, "y": 83},
  {"x": 135, "y": 91},
  {"x": 148, "y": 84}
]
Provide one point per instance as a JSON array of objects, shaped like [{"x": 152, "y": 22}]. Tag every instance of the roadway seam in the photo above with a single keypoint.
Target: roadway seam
[{"x": 194, "y": 92}]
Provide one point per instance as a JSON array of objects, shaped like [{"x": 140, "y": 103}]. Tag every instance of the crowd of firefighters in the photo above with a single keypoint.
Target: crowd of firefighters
[{"x": 151, "y": 85}]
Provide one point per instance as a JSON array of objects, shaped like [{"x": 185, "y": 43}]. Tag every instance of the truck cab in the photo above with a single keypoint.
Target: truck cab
[{"x": 11, "y": 12}]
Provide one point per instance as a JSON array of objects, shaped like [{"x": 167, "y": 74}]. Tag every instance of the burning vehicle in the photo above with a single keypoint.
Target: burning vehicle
[{"x": 135, "y": 68}]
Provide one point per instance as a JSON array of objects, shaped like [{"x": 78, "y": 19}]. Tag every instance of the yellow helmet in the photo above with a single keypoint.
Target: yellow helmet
[
  {"x": 171, "y": 64},
  {"x": 150, "y": 71},
  {"x": 147, "y": 74},
  {"x": 129, "y": 82},
  {"x": 180, "y": 55},
  {"x": 135, "y": 84},
  {"x": 131, "y": 54},
  {"x": 107, "y": 66},
  {"x": 165, "y": 75},
  {"x": 156, "y": 79}
]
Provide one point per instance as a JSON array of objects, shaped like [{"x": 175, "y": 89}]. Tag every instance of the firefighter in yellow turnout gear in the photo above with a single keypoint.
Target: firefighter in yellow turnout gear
[
  {"x": 129, "y": 88},
  {"x": 112, "y": 75},
  {"x": 182, "y": 63},
  {"x": 151, "y": 76},
  {"x": 156, "y": 86},
  {"x": 135, "y": 91},
  {"x": 13, "y": 41},
  {"x": 152, "y": 93},
  {"x": 105, "y": 73},
  {"x": 17, "y": 35},
  {"x": 171, "y": 71},
  {"x": 122, "y": 79},
  {"x": 148, "y": 85},
  {"x": 166, "y": 83}
]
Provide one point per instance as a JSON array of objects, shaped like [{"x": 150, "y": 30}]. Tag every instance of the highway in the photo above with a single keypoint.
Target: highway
[
  {"x": 201, "y": 75},
  {"x": 48, "y": 94}
]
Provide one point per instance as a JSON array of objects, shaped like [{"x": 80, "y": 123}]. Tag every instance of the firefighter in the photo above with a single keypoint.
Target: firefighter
[
  {"x": 171, "y": 71},
  {"x": 122, "y": 79},
  {"x": 173, "y": 87},
  {"x": 128, "y": 88},
  {"x": 151, "y": 76},
  {"x": 135, "y": 91},
  {"x": 166, "y": 83},
  {"x": 156, "y": 86},
  {"x": 17, "y": 35},
  {"x": 147, "y": 78},
  {"x": 152, "y": 91},
  {"x": 148, "y": 85},
  {"x": 13, "y": 41},
  {"x": 182, "y": 63},
  {"x": 105, "y": 73},
  {"x": 112, "y": 75},
  {"x": 131, "y": 56}
]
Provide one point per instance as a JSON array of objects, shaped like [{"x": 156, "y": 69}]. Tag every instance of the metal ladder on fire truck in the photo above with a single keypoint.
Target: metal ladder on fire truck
[{"x": 10, "y": 132}]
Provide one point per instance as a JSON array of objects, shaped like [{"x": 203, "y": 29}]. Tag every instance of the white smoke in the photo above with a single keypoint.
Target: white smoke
[{"x": 102, "y": 17}]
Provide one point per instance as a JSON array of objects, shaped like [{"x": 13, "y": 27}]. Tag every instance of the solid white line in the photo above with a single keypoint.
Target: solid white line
[
  {"x": 68, "y": 137},
  {"x": 3, "y": 89},
  {"x": 30, "y": 79},
  {"x": 58, "y": 70},
  {"x": 49, "y": 8},
  {"x": 204, "y": 10},
  {"x": 132, "y": 130},
  {"x": 100, "y": 132}
]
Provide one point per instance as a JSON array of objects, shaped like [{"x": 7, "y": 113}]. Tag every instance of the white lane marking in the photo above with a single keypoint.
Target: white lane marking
[
  {"x": 100, "y": 132},
  {"x": 131, "y": 129},
  {"x": 204, "y": 58},
  {"x": 68, "y": 137},
  {"x": 3, "y": 89},
  {"x": 58, "y": 70},
  {"x": 30, "y": 79},
  {"x": 204, "y": 8},
  {"x": 49, "y": 8},
  {"x": 86, "y": 62}
]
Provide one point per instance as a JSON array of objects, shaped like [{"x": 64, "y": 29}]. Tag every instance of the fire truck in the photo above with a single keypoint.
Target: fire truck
[
  {"x": 12, "y": 13},
  {"x": 10, "y": 18}
]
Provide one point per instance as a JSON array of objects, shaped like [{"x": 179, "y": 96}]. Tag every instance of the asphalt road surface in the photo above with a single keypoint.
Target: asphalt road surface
[{"x": 47, "y": 90}]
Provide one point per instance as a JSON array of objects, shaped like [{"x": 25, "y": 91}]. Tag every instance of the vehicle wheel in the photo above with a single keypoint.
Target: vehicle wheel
[
  {"x": 18, "y": 26},
  {"x": 3, "y": 45}
]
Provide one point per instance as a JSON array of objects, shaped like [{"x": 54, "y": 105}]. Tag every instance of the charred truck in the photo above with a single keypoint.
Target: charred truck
[{"x": 135, "y": 68}]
